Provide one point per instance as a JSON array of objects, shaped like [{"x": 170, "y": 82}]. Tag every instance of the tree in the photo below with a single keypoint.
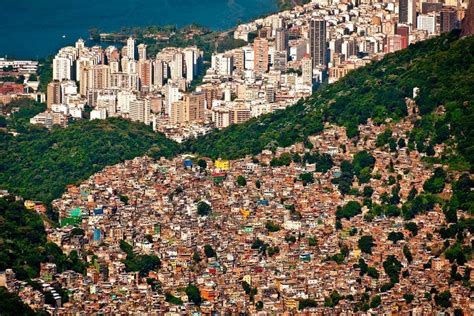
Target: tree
[
  {"x": 395, "y": 237},
  {"x": 12, "y": 305},
  {"x": 375, "y": 302},
  {"x": 333, "y": 299},
  {"x": 366, "y": 243},
  {"x": 203, "y": 209},
  {"x": 363, "y": 164},
  {"x": 241, "y": 181},
  {"x": 412, "y": 227},
  {"x": 209, "y": 252},
  {"x": 392, "y": 268},
  {"x": 407, "y": 254},
  {"x": 368, "y": 191},
  {"x": 170, "y": 298},
  {"x": 307, "y": 178},
  {"x": 436, "y": 183},
  {"x": 193, "y": 294},
  {"x": 456, "y": 253},
  {"x": 408, "y": 297},
  {"x": 306, "y": 303},
  {"x": 272, "y": 227},
  {"x": 196, "y": 257},
  {"x": 351, "y": 209},
  {"x": 283, "y": 160},
  {"x": 373, "y": 273},
  {"x": 443, "y": 299},
  {"x": 202, "y": 164}
]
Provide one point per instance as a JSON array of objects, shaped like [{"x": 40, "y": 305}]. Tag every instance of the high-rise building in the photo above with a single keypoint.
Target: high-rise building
[
  {"x": 172, "y": 94},
  {"x": 281, "y": 39},
  {"x": 145, "y": 71},
  {"x": 62, "y": 68},
  {"x": 404, "y": 32},
  {"x": 131, "y": 48},
  {"x": 158, "y": 73},
  {"x": 177, "y": 69},
  {"x": 53, "y": 93},
  {"x": 260, "y": 48},
  {"x": 192, "y": 62},
  {"x": 211, "y": 93},
  {"x": 239, "y": 59},
  {"x": 407, "y": 12},
  {"x": 80, "y": 44},
  {"x": 141, "y": 51},
  {"x": 100, "y": 77},
  {"x": 448, "y": 20},
  {"x": 249, "y": 57},
  {"x": 179, "y": 112},
  {"x": 223, "y": 64},
  {"x": 270, "y": 94},
  {"x": 394, "y": 43},
  {"x": 280, "y": 59},
  {"x": 318, "y": 44},
  {"x": 140, "y": 111},
  {"x": 307, "y": 70},
  {"x": 196, "y": 107},
  {"x": 427, "y": 23}
]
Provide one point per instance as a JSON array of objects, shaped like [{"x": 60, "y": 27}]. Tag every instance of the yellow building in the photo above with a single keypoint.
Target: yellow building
[
  {"x": 30, "y": 205},
  {"x": 247, "y": 278},
  {"x": 222, "y": 164},
  {"x": 245, "y": 213}
]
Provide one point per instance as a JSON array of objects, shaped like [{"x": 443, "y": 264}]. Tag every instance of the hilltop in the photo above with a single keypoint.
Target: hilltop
[
  {"x": 38, "y": 164},
  {"x": 377, "y": 91}
]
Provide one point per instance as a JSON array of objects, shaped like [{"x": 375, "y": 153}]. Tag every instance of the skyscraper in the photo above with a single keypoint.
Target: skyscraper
[
  {"x": 318, "y": 42},
  {"x": 190, "y": 62},
  {"x": 131, "y": 48},
  {"x": 427, "y": 22},
  {"x": 62, "y": 68},
  {"x": 141, "y": 51},
  {"x": 260, "y": 47},
  {"x": 407, "y": 12},
  {"x": 53, "y": 93},
  {"x": 100, "y": 77},
  {"x": 196, "y": 106},
  {"x": 307, "y": 70},
  {"x": 145, "y": 71},
  {"x": 158, "y": 73},
  {"x": 177, "y": 66},
  {"x": 281, "y": 39},
  {"x": 448, "y": 20}
]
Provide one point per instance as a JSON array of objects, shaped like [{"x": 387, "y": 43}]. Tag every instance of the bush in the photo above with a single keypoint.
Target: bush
[{"x": 203, "y": 209}]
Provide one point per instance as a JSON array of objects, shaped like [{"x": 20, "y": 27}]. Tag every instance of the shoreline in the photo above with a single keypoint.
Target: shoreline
[{"x": 277, "y": 3}]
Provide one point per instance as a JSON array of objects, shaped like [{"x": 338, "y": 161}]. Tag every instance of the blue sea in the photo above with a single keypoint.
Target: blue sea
[{"x": 37, "y": 28}]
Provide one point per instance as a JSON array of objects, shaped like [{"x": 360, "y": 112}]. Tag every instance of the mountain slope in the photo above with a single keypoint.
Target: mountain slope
[
  {"x": 39, "y": 164},
  {"x": 443, "y": 68}
]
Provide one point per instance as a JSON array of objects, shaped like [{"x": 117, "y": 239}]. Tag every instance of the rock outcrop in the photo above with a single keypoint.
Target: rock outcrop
[{"x": 467, "y": 25}]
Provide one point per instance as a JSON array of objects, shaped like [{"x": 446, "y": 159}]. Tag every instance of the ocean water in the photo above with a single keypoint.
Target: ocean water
[{"x": 37, "y": 28}]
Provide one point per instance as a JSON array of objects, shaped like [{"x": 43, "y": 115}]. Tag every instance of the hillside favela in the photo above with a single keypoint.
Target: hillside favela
[{"x": 313, "y": 159}]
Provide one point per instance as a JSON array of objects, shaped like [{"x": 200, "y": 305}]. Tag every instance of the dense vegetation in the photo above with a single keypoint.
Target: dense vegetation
[
  {"x": 139, "y": 263},
  {"x": 377, "y": 91},
  {"x": 12, "y": 305},
  {"x": 38, "y": 164},
  {"x": 23, "y": 244},
  {"x": 289, "y": 4}
]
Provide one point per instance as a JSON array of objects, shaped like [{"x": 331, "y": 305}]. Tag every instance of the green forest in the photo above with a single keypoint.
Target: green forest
[{"x": 38, "y": 164}]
